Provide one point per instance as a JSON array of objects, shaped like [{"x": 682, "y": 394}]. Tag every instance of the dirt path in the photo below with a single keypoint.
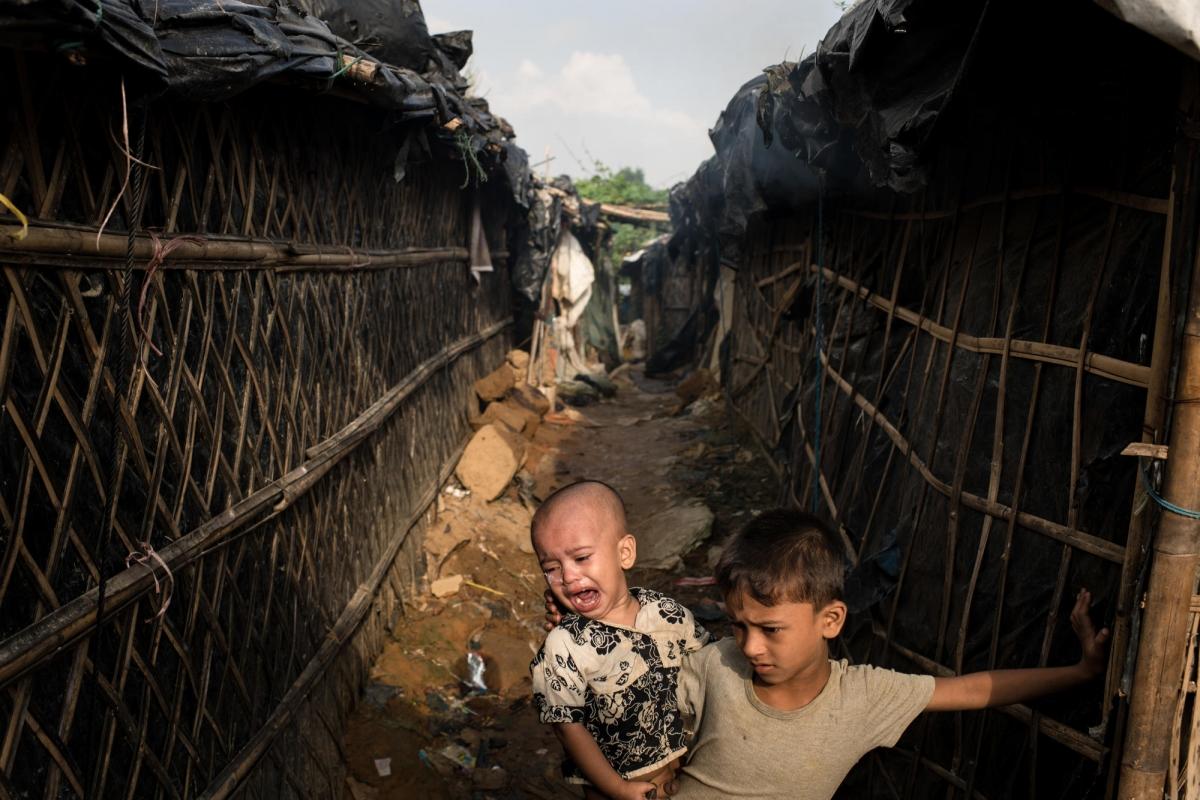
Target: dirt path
[{"x": 441, "y": 739}]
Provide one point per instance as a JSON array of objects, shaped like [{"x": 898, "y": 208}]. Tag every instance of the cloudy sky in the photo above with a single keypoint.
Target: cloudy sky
[{"x": 625, "y": 82}]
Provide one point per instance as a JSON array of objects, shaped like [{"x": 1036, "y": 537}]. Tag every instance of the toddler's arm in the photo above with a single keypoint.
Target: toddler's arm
[
  {"x": 586, "y": 754},
  {"x": 1004, "y": 687}
]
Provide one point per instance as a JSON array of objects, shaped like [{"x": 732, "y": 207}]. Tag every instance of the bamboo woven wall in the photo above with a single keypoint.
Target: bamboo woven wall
[
  {"x": 279, "y": 454},
  {"x": 987, "y": 347}
]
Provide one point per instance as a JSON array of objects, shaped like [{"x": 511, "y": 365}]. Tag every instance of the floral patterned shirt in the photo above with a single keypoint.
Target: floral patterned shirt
[{"x": 620, "y": 682}]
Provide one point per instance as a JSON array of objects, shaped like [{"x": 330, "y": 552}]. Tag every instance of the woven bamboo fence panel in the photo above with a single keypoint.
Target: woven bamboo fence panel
[
  {"x": 983, "y": 351},
  {"x": 295, "y": 399}
]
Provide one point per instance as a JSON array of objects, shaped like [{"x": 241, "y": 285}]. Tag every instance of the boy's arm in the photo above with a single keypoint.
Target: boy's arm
[
  {"x": 1003, "y": 687},
  {"x": 586, "y": 754}
]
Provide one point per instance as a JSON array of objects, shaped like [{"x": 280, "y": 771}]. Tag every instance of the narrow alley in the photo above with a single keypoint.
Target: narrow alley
[{"x": 426, "y": 727}]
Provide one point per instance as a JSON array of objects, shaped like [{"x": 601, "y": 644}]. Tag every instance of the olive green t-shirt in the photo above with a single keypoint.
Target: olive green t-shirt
[{"x": 745, "y": 748}]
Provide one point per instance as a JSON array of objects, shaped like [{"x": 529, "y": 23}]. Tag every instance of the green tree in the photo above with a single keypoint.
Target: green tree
[{"x": 626, "y": 187}]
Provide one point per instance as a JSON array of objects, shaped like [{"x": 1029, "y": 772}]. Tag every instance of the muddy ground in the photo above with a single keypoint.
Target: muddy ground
[{"x": 419, "y": 721}]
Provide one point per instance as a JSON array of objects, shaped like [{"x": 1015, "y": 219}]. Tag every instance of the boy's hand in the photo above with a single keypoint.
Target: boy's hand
[
  {"x": 1095, "y": 645},
  {"x": 554, "y": 612}
]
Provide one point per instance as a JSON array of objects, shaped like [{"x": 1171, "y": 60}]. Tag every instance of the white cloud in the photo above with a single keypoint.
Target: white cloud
[
  {"x": 527, "y": 70},
  {"x": 596, "y": 88}
]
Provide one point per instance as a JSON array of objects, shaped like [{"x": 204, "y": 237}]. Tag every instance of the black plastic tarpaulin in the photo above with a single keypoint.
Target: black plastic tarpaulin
[{"x": 209, "y": 50}]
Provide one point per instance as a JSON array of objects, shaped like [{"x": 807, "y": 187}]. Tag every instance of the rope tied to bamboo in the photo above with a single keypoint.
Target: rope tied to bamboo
[
  {"x": 149, "y": 558},
  {"x": 346, "y": 67},
  {"x": 125, "y": 321},
  {"x": 16, "y": 212},
  {"x": 162, "y": 249},
  {"x": 1148, "y": 485}
]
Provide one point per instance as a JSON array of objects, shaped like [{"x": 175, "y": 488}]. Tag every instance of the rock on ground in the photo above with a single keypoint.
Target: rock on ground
[
  {"x": 529, "y": 397},
  {"x": 518, "y": 418},
  {"x": 518, "y": 362},
  {"x": 494, "y": 385},
  {"x": 492, "y": 457},
  {"x": 444, "y": 587},
  {"x": 666, "y": 536}
]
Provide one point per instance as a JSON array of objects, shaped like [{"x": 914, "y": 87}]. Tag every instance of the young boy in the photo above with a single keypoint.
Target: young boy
[
  {"x": 775, "y": 716},
  {"x": 607, "y": 676}
]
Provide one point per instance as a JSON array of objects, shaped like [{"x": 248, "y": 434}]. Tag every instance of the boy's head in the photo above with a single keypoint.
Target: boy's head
[
  {"x": 782, "y": 577},
  {"x": 583, "y": 546}
]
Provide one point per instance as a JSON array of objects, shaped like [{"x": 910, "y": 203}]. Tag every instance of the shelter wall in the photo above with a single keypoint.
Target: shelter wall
[
  {"x": 294, "y": 399},
  {"x": 951, "y": 376}
]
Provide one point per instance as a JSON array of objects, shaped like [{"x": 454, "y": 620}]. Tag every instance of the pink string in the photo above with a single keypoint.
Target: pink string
[
  {"x": 148, "y": 558},
  {"x": 161, "y": 251}
]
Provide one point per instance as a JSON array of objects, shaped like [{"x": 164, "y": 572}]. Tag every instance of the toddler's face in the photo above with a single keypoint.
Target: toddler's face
[
  {"x": 784, "y": 642},
  {"x": 584, "y": 555}
]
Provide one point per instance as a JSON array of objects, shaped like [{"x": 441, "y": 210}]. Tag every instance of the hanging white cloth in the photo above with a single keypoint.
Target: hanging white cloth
[{"x": 573, "y": 275}]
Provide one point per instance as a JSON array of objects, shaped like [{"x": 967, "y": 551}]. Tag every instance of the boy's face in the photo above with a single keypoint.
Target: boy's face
[
  {"x": 785, "y": 643},
  {"x": 584, "y": 553}
]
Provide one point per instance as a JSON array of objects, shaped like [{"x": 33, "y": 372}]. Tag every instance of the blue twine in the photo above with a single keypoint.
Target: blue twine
[
  {"x": 1162, "y": 501},
  {"x": 820, "y": 347}
]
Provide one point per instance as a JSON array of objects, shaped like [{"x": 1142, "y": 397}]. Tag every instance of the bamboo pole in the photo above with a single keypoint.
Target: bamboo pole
[
  {"x": 1095, "y": 363},
  {"x": 1157, "y": 678},
  {"x": 73, "y": 246},
  {"x": 1151, "y": 205},
  {"x": 1078, "y": 539},
  {"x": 634, "y": 215},
  {"x": 1153, "y": 425}
]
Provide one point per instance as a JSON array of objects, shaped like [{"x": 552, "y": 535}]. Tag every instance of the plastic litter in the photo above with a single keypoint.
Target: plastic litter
[
  {"x": 458, "y": 755},
  {"x": 475, "y": 671}
]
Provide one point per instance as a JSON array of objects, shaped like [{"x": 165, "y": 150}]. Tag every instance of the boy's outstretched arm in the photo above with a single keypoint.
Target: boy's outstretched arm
[
  {"x": 1003, "y": 687},
  {"x": 583, "y": 750}
]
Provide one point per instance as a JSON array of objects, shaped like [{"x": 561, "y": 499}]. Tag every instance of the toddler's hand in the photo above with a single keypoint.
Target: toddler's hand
[
  {"x": 636, "y": 790},
  {"x": 554, "y": 612},
  {"x": 1094, "y": 644}
]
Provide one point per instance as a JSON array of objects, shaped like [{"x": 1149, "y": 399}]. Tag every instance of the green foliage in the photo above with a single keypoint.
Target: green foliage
[
  {"x": 627, "y": 186},
  {"x": 628, "y": 239}
]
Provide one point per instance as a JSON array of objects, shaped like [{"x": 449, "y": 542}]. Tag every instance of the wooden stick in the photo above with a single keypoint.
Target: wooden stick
[
  {"x": 1158, "y": 452},
  {"x": 43, "y": 639}
]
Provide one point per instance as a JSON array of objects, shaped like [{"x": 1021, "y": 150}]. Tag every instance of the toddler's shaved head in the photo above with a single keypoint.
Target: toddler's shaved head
[{"x": 590, "y": 497}]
